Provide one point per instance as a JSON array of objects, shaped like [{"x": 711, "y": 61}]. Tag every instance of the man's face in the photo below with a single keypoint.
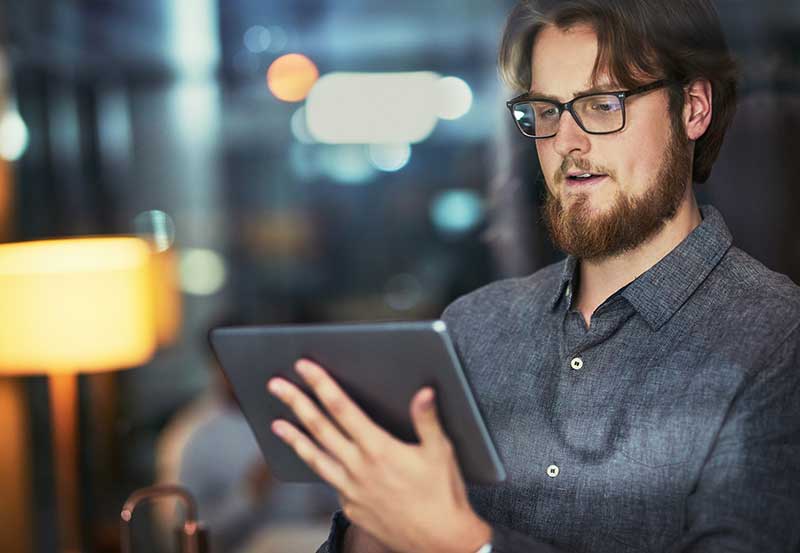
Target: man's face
[{"x": 640, "y": 174}]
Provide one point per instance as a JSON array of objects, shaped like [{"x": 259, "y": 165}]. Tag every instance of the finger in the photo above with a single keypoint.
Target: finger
[
  {"x": 362, "y": 430},
  {"x": 325, "y": 466},
  {"x": 314, "y": 420},
  {"x": 425, "y": 418}
]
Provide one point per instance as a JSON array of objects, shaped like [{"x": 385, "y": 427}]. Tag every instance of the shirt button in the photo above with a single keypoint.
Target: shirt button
[
  {"x": 552, "y": 471},
  {"x": 576, "y": 363}
]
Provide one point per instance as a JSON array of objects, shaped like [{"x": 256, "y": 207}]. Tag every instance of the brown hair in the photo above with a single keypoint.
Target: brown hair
[{"x": 638, "y": 40}]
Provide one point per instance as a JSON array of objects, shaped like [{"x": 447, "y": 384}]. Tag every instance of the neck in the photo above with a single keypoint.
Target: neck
[{"x": 600, "y": 279}]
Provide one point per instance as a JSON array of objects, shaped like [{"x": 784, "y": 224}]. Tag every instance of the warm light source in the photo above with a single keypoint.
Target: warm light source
[
  {"x": 76, "y": 304},
  {"x": 166, "y": 295},
  {"x": 70, "y": 306},
  {"x": 6, "y": 198},
  {"x": 157, "y": 228},
  {"x": 291, "y": 77}
]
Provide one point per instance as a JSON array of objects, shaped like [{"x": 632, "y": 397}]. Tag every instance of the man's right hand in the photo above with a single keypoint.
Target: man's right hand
[{"x": 358, "y": 540}]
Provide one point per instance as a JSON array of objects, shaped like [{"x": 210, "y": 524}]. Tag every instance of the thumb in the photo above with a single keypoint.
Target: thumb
[{"x": 425, "y": 418}]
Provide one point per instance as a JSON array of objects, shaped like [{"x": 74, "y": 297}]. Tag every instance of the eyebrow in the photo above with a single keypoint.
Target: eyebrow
[{"x": 593, "y": 90}]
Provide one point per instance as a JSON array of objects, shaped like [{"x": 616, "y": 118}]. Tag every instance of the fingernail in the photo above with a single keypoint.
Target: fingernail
[
  {"x": 278, "y": 429},
  {"x": 275, "y": 386},
  {"x": 303, "y": 367},
  {"x": 427, "y": 398}
]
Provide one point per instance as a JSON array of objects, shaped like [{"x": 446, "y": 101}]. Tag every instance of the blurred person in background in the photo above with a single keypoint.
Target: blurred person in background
[
  {"x": 643, "y": 392},
  {"x": 209, "y": 448}
]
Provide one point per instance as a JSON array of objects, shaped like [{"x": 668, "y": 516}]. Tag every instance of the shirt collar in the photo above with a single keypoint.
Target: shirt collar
[
  {"x": 664, "y": 288},
  {"x": 567, "y": 274}
]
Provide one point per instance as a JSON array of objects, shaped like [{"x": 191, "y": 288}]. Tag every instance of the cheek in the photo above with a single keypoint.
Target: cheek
[
  {"x": 549, "y": 161},
  {"x": 649, "y": 143},
  {"x": 639, "y": 170}
]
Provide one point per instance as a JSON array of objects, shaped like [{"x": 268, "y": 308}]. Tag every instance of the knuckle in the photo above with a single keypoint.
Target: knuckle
[
  {"x": 358, "y": 474},
  {"x": 315, "y": 424},
  {"x": 357, "y": 461},
  {"x": 447, "y": 448},
  {"x": 352, "y": 453},
  {"x": 374, "y": 454},
  {"x": 316, "y": 463},
  {"x": 335, "y": 403}
]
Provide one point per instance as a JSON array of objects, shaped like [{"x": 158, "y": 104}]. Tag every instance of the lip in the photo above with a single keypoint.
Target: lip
[{"x": 593, "y": 181}]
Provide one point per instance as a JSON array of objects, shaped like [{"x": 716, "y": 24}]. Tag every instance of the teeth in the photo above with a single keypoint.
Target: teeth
[{"x": 583, "y": 176}]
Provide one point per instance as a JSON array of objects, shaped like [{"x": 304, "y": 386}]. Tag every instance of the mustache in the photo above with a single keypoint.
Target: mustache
[{"x": 582, "y": 165}]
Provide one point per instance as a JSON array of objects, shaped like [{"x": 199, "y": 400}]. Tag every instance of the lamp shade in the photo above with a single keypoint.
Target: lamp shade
[
  {"x": 75, "y": 305},
  {"x": 166, "y": 295}
]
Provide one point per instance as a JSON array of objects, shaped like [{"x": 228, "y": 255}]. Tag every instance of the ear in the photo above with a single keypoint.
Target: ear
[{"x": 698, "y": 108}]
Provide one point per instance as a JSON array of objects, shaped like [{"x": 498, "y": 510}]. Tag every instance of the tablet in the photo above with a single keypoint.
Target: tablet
[{"x": 380, "y": 365}]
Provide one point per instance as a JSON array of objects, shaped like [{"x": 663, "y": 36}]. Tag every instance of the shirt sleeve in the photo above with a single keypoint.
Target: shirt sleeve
[
  {"x": 339, "y": 525},
  {"x": 747, "y": 498}
]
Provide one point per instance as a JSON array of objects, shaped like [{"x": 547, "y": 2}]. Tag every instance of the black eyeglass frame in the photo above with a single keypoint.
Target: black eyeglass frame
[{"x": 567, "y": 106}]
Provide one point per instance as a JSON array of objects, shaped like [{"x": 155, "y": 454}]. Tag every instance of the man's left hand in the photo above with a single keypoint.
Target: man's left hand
[{"x": 411, "y": 497}]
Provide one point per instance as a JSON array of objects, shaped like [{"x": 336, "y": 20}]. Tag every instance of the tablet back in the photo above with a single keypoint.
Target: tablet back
[{"x": 380, "y": 365}]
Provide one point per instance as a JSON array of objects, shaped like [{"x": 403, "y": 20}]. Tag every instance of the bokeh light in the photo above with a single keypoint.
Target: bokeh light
[
  {"x": 156, "y": 227},
  {"x": 192, "y": 39},
  {"x": 257, "y": 39},
  {"x": 291, "y": 77},
  {"x": 304, "y": 161},
  {"x": 455, "y": 97},
  {"x": 373, "y": 108},
  {"x": 279, "y": 38},
  {"x": 13, "y": 135},
  {"x": 299, "y": 127},
  {"x": 202, "y": 271},
  {"x": 389, "y": 157},
  {"x": 456, "y": 211},
  {"x": 346, "y": 164}
]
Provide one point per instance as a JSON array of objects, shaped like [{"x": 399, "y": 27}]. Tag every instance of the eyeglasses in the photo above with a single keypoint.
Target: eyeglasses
[{"x": 598, "y": 113}]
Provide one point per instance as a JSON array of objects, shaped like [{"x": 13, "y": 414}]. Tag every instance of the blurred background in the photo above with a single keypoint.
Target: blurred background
[{"x": 288, "y": 162}]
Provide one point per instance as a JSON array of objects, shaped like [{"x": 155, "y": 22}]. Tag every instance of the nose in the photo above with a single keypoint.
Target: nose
[{"x": 570, "y": 137}]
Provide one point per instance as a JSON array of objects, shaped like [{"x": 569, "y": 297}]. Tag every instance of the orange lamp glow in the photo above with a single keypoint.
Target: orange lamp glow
[
  {"x": 71, "y": 306},
  {"x": 167, "y": 296},
  {"x": 75, "y": 305},
  {"x": 291, "y": 77},
  {"x": 6, "y": 199}
]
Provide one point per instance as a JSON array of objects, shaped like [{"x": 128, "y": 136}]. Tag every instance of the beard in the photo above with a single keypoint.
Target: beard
[{"x": 630, "y": 221}]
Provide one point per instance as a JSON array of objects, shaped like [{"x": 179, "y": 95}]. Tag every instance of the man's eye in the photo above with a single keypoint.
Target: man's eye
[
  {"x": 548, "y": 113},
  {"x": 605, "y": 106}
]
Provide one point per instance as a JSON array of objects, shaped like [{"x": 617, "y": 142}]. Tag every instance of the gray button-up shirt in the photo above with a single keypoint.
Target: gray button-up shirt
[{"x": 671, "y": 424}]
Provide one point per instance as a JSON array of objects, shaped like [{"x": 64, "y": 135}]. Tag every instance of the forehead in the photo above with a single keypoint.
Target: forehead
[{"x": 563, "y": 61}]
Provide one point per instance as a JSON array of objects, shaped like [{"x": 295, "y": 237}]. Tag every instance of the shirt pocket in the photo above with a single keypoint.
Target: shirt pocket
[{"x": 661, "y": 433}]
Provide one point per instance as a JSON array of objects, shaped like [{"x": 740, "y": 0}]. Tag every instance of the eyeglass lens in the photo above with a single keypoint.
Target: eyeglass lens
[{"x": 599, "y": 113}]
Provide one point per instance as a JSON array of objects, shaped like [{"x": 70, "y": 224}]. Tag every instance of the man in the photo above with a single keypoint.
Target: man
[{"x": 644, "y": 393}]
